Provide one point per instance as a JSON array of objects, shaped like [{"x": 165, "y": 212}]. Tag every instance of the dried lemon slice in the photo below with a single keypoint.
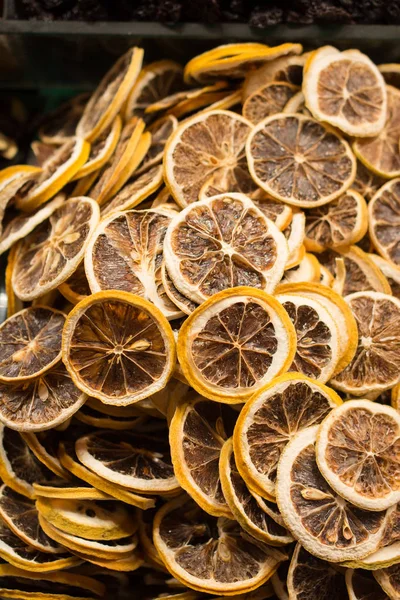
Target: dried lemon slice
[
  {"x": 380, "y": 154},
  {"x": 306, "y": 271},
  {"x": 234, "y": 343},
  {"x": 9, "y": 189},
  {"x": 390, "y": 271},
  {"x": 208, "y": 148},
  {"x": 189, "y": 100},
  {"x": 67, "y": 490},
  {"x": 137, "y": 189},
  {"x": 295, "y": 234},
  {"x": 96, "y": 419},
  {"x": 44, "y": 446},
  {"x": 356, "y": 454},
  {"x": 287, "y": 69},
  {"x": 361, "y": 585},
  {"x": 203, "y": 556},
  {"x": 346, "y": 90},
  {"x": 160, "y": 133},
  {"x": 110, "y": 95},
  {"x": 186, "y": 305},
  {"x": 255, "y": 515},
  {"x": 300, "y": 161},
  {"x": 145, "y": 531},
  {"x": 223, "y": 242},
  {"x": 60, "y": 125},
  {"x": 126, "y": 253},
  {"x": 101, "y": 150},
  {"x": 366, "y": 183},
  {"x": 76, "y": 288},
  {"x": 270, "y": 419},
  {"x": 136, "y": 461},
  {"x": 130, "y": 563},
  {"x": 384, "y": 221},
  {"x": 324, "y": 523},
  {"x": 342, "y": 222},
  {"x": 279, "y": 213},
  {"x": 118, "y": 347},
  {"x": 375, "y": 366},
  {"x": 390, "y": 73},
  {"x": 198, "y": 430},
  {"x": 389, "y": 580},
  {"x": 268, "y": 100},
  {"x": 52, "y": 252}
]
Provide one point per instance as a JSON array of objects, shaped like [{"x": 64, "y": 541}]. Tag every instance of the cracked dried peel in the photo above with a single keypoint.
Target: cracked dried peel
[
  {"x": 384, "y": 221},
  {"x": 299, "y": 160}
]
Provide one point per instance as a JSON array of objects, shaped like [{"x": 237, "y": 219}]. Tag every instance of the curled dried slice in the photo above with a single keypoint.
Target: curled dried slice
[
  {"x": 324, "y": 523},
  {"x": 200, "y": 550},
  {"x": 76, "y": 288},
  {"x": 390, "y": 271},
  {"x": 198, "y": 430},
  {"x": 287, "y": 69},
  {"x": 44, "y": 446},
  {"x": 60, "y": 125},
  {"x": 137, "y": 189},
  {"x": 234, "y": 343},
  {"x": 376, "y": 363},
  {"x": 67, "y": 490},
  {"x": 127, "y": 564},
  {"x": 384, "y": 221},
  {"x": 270, "y": 419},
  {"x": 300, "y": 161},
  {"x": 306, "y": 271},
  {"x": 186, "y": 305},
  {"x": 9, "y": 189},
  {"x": 223, "y": 242},
  {"x": 118, "y": 347},
  {"x": 160, "y": 133},
  {"x": 96, "y": 419},
  {"x": 102, "y": 149},
  {"x": 389, "y": 580},
  {"x": 346, "y": 90},
  {"x": 361, "y": 585},
  {"x": 269, "y": 99},
  {"x": 356, "y": 453},
  {"x": 294, "y": 234}
]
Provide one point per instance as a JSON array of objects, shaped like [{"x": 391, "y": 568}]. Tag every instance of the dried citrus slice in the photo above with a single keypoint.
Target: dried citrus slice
[
  {"x": 187, "y": 100},
  {"x": 279, "y": 581},
  {"x": 118, "y": 347},
  {"x": 279, "y": 213},
  {"x": 234, "y": 343},
  {"x": 126, "y": 253},
  {"x": 67, "y": 490},
  {"x": 287, "y": 69},
  {"x": 389, "y": 580},
  {"x": 102, "y": 149},
  {"x": 223, "y": 242},
  {"x": 318, "y": 343},
  {"x": 57, "y": 171},
  {"x": 110, "y": 95},
  {"x": 300, "y": 161},
  {"x": 270, "y": 419},
  {"x": 380, "y": 154},
  {"x": 361, "y": 585},
  {"x": 145, "y": 532},
  {"x": 297, "y": 104},
  {"x": 205, "y": 99},
  {"x": 52, "y": 252},
  {"x": 9, "y": 189},
  {"x": 202, "y": 557},
  {"x": 76, "y": 288},
  {"x": 198, "y": 431},
  {"x": 346, "y": 90},
  {"x": 208, "y": 148},
  {"x": 342, "y": 222},
  {"x": 44, "y": 446},
  {"x": 366, "y": 183},
  {"x": 324, "y": 523},
  {"x": 160, "y": 133},
  {"x": 130, "y": 563},
  {"x": 186, "y": 305},
  {"x": 136, "y": 461},
  {"x": 384, "y": 221},
  {"x": 96, "y": 419},
  {"x": 268, "y": 100},
  {"x": 356, "y": 454},
  {"x": 88, "y": 518},
  {"x": 294, "y": 234},
  {"x": 60, "y": 125},
  {"x": 375, "y": 366},
  {"x": 390, "y": 73},
  {"x": 85, "y": 184},
  {"x": 156, "y": 81},
  {"x": 390, "y": 271},
  {"x": 255, "y": 515}
]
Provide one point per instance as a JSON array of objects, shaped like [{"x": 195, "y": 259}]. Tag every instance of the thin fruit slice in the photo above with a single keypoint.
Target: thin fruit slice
[
  {"x": 310, "y": 578},
  {"x": 137, "y": 189},
  {"x": 391, "y": 73},
  {"x": 110, "y": 95},
  {"x": 324, "y": 523},
  {"x": 203, "y": 100},
  {"x": 186, "y": 100},
  {"x": 306, "y": 271},
  {"x": 294, "y": 234},
  {"x": 268, "y": 100},
  {"x": 52, "y": 252},
  {"x": 126, "y": 253},
  {"x": 95, "y": 419},
  {"x": 380, "y": 154},
  {"x": 297, "y": 104},
  {"x": 9, "y": 189},
  {"x": 384, "y": 221},
  {"x": 101, "y": 150},
  {"x": 356, "y": 453},
  {"x": 234, "y": 343},
  {"x": 270, "y": 419},
  {"x": 389, "y": 580},
  {"x": 376, "y": 363},
  {"x": 118, "y": 347},
  {"x": 318, "y": 346},
  {"x": 197, "y": 433},
  {"x": 44, "y": 446},
  {"x": 255, "y": 515},
  {"x": 366, "y": 183},
  {"x": 60, "y": 125},
  {"x": 186, "y": 305},
  {"x": 279, "y": 581},
  {"x": 130, "y": 563},
  {"x": 390, "y": 271},
  {"x": 300, "y": 161},
  {"x": 92, "y": 520},
  {"x": 287, "y": 69},
  {"x": 279, "y": 213},
  {"x": 208, "y": 148},
  {"x": 57, "y": 171},
  {"x": 326, "y": 277},
  {"x": 160, "y": 131},
  {"x": 346, "y": 90},
  {"x": 145, "y": 531},
  {"x": 67, "y": 490},
  {"x": 136, "y": 461},
  {"x": 200, "y": 550},
  {"x": 342, "y": 222},
  {"x": 361, "y": 585},
  {"x": 223, "y": 242},
  {"x": 76, "y": 288}
]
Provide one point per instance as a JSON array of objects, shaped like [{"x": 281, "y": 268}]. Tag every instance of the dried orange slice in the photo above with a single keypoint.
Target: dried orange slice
[
  {"x": 234, "y": 343},
  {"x": 342, "y": 222},
  {"x": 361, "y": 585},
  {"x": 160, "y": 131},
  {"x": 60, "y": 125},
  {"x": 76, "y": 288},
  {"x": 44, "y": 446},
  {"x": 324, "y": 523},
  {"x": 208, "y": 148},
  {"x": 258, "y": 517},
  {"x": 186, "y": 305},
  {"x": 390, "y": 271},
  {"x": 287, "y": 69},
  {"x": 198, "y": 431},
  {"x": 203, "y": 556},
  {"x": 346, "y": 90},
  {"x": 389, "y": 580},
  {"x": 384, "y": 221},
  {"x": 366, "y": 183},
  {"x": 268, "y": 100},
  {"x": 270, "y": 419},
  {"x": 355, "y": 452},
  {"x": 52, "y": 252},
  {"x": 375, "y": 366},
  {"x": 102, "y": 149},
  {"x": 118, "y": 347},
  {"x": 223, "y": 242},
  {"x": 300, "y": 161},
  {"x": 110, "y": 95},
  {"x": 136, "y": 461}
]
